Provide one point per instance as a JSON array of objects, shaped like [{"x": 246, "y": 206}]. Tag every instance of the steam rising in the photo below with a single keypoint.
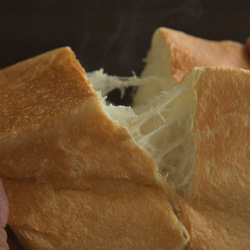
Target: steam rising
[
  {"x": 122, "y": 32},
  {"x": 186, "y": 14}
]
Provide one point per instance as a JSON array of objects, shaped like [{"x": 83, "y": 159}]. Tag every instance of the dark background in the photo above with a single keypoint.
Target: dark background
[{"x": 113, "y": 34}]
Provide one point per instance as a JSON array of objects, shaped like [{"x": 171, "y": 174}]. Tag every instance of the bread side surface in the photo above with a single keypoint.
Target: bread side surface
[
  {"x": 108, "y": 215},
  {"x": 185, "y": 52},
  {"x": 73, "y": 177},
  {"x": 218, "y": 209},
  {"x": 53, "y": 119}
]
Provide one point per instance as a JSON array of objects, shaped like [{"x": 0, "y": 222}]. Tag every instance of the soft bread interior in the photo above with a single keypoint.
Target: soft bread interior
[
  {"x": 160, "y": 119},
  {"x": 158, "y": 61},
  {"x": 161, "y": 125}
]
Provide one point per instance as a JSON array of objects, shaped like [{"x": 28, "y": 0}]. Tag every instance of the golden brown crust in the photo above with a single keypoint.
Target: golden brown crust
[
  {"x": 57, "y": 107},
  {"x": 108, "y": 215},
  {"x": 218, "y": 209},
  {"x": 73, "y": 177},
  {"x": 95, "y": 186},
  {"x": 217, "y": 214},
  {"x": 187, "y": 52},
  {"x": 30, "y": 94}
]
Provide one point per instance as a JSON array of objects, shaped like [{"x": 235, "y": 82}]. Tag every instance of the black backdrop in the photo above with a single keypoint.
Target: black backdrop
[{"x": 113, "y": 34}]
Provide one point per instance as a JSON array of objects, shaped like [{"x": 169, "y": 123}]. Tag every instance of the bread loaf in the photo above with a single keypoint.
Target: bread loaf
[
  {"x": 75, "y": 179},
  {"x": 215, "y": 118},
  {"x": 217, "y": 208},
  {"x": 170, "y": 172},
  {"x": 199, "y": 139},
  {"x": 173, "y": 53}
]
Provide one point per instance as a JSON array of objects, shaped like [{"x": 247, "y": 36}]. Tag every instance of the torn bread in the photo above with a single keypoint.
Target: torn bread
[
  {"x": 178, "y": 52},
  {"x": 216, "y": 211},
  {"x": 200, "y": 131},
  {"x": 174, "y": 53},
  {"x": 73, "y": 177},
  {"x": 198, "y": 134},
  {"x": 168, "y": 131}
]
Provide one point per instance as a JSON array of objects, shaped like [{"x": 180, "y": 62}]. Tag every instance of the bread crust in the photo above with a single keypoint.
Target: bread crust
[
  {"x": 83, "y": 182},
  {"x": 75, "y": 179},
  {"x": 218, "y": 209},
  {"x": 57, "y": 107},
  {"x": 107, "y": 215},
  {"x": 186, "y": 52}
]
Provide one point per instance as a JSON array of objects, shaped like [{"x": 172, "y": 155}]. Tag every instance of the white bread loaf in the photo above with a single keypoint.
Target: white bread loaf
[
  {"x": 173, "y": 125},
  {"x": 174, "y": 53},
  {"x": 217, "y": 209},
  {"x": 199, "y": 139},
  {"x": 162, "y": 114},
  {"x": 87, "y": 173},
  {"x": 75, "y": 179}
]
